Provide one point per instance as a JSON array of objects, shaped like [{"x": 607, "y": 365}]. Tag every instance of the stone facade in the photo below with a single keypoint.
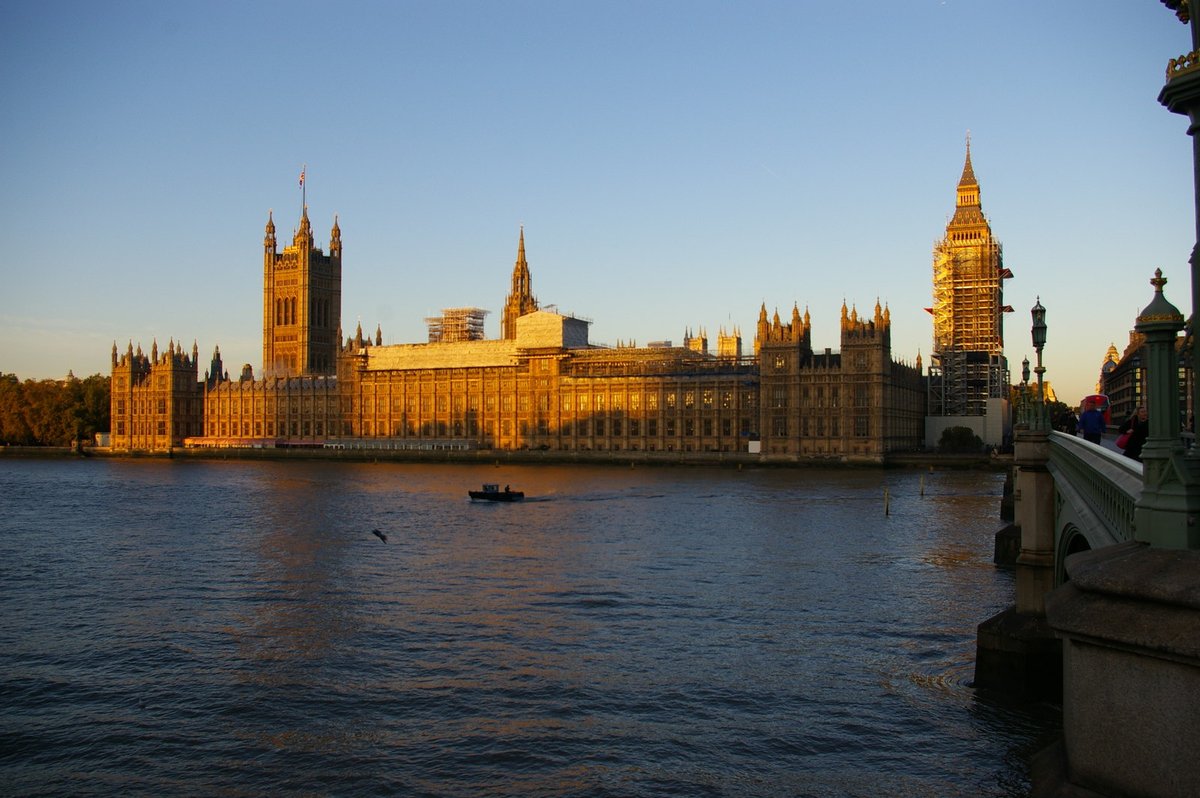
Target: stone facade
[
  {"x": 542, "y": 385},
  {"x": 156, "y": 400},
  {"x": 302, "y": 303}
]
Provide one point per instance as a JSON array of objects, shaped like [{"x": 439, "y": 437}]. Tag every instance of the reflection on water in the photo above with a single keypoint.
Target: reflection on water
[{"x": 236, "y": 628}]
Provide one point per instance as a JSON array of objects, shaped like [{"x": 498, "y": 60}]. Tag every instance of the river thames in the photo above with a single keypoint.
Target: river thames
[{"x": 234, "y": 628}]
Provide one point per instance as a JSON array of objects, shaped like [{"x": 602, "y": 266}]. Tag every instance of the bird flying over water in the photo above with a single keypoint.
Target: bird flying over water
[{"x": 381, "y": 535}]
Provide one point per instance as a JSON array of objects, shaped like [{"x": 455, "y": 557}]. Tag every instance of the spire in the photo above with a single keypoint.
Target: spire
[
  {"x": 378, "y": 335},
  {"x": 968, "y": 191},
  {"x": 335, "y": 238},
  {"x": 968, "y": 173},
  {"x": 520, "y": 300},
  {"x": 304, "y": 234},
  {"x": 521, "y": 280}
]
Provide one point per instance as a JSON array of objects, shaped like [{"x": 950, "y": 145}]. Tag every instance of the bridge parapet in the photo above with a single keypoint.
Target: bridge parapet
[{"x": 1096, "y": 491}]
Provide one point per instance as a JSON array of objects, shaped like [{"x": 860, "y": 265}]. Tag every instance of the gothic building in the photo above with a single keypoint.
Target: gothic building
[
  {"x": 541, "y": 385},
  {"x": 156, "y": 400},
  {"x": 302, "y": 303},
  {"x": 968, "y": 367}
]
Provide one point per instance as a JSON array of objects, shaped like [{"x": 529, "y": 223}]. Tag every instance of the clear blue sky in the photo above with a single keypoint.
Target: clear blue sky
[{"x": 675, "y": 164}]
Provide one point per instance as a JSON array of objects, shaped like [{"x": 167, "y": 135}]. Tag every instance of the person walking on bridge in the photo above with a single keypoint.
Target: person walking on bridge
[
  {"x": 1138, "y": 427},
  {"x": 1091, "y": 423}
]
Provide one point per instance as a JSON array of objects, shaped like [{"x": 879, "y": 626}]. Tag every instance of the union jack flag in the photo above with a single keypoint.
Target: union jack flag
[{"x": 302, "y": 176}]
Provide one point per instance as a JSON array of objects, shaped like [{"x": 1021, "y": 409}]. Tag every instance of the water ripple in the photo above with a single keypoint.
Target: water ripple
[{"x": 234, "y": 629}]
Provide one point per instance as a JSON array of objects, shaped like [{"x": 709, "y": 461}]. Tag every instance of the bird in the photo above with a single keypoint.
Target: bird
[{"x": 381, "y": 535}]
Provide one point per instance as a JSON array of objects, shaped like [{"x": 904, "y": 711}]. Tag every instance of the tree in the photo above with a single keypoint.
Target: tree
[
  {"x": 52, "y": 412},
  {"x": 14, "y": 431},
  {"x": 959, "y": 440}
]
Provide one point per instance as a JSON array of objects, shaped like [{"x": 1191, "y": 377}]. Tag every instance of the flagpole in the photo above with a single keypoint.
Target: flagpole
[{"x": 303, "y": 191}]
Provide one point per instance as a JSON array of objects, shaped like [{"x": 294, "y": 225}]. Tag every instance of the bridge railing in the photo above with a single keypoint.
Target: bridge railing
[{"x": 1100, "y": 485}]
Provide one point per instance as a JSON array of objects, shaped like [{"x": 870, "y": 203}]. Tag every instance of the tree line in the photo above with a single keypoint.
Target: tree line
[{"x": 53, "y": 412}]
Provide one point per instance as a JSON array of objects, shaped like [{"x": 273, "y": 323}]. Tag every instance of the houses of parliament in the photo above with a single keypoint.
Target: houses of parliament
[{"x": 541, "y": 385}]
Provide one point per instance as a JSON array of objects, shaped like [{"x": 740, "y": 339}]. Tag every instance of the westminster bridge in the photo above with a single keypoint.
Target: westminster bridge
[
  {"x": 1108, "y": 591},
  {"x": 1108, "y": 576}
]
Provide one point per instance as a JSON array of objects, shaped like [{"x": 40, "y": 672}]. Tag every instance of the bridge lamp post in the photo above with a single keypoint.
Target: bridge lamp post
[
  {"x": 1024, "y": 407},
  {"x": 1039, "y": 340}
]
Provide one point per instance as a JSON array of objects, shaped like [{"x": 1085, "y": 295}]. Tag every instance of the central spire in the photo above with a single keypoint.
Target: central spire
[{"x": 520, "y": 299}]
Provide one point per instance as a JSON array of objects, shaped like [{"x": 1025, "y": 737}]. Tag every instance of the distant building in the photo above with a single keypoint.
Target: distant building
[
  {"x": 1124, "y": 380},
  {"x": 541, "y": 385},
  {"x": 1111, "y": 358}
]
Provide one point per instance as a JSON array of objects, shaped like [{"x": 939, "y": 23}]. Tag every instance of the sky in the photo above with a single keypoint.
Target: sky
[{"x": 675, "y": 165}]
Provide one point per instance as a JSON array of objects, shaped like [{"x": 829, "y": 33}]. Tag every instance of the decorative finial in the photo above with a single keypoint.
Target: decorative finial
[{"x": 1158, "y": 281}]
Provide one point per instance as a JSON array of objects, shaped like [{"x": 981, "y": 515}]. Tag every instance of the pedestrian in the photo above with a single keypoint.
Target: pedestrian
[
  {"x": 1091, "y": 423},
  {"x": 1138, "y": 427}
]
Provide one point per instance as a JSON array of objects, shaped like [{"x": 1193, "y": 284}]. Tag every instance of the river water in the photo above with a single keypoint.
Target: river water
[{"x": 234, "y": 628}]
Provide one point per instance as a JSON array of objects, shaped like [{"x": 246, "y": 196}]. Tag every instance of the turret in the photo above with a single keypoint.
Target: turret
[{"x": 304, "y": 236}]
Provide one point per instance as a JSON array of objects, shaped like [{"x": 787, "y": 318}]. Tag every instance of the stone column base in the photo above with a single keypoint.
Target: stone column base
[
  {"x": 1130, "y": 622},
  {"x": 1018, "y": 655}
]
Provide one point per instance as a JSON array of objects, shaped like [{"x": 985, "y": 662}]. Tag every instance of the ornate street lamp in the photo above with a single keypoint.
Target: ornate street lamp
[
  {"x": 1023, "y": 407},
  {"x": 1039, "y": 340}
]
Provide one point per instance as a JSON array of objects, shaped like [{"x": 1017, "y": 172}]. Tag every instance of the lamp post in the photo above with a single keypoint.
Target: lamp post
[
  {"x": 1023, "y": 406},
  {"x": 1039, "y": 340}
]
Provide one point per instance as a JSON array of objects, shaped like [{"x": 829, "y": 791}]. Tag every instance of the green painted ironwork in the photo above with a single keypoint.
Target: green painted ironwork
[{"x": 1096, "y": 493}]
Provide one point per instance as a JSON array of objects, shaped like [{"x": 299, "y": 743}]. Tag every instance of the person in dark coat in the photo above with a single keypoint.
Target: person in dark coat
[
  {"x": 1091, "y": 423},
  {"x": 1138, "y": 427}
]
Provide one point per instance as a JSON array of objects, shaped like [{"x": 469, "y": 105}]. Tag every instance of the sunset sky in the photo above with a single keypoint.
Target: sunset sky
[{"x": 675, "y": 165}]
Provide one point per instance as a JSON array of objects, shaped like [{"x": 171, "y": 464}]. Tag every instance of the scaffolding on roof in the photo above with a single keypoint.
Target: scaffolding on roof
[{"x": 456, "y": 325}]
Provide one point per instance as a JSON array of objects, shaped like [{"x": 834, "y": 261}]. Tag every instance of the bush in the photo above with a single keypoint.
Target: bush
[{"x": 960, "y": 440}]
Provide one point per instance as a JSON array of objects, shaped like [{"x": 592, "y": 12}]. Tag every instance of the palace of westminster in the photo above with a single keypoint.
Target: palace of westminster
[{"x": 541, "y": 385}]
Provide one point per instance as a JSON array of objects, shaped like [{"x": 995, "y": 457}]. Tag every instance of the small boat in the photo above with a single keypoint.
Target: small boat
[{"x": 492, "y": 493}]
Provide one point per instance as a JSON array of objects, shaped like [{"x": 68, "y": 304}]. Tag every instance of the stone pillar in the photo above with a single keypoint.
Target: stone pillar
[
  {"x": 1035, "y": 516},
  {"x": 1129, "y": 617},
  {"x": 1016, "y": 651},
  {"x": 1167, "y": 510},
  {"x": 1177, "y": 479}
]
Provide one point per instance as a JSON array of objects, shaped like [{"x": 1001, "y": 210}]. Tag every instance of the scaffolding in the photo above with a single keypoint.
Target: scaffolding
[
  {"x": 456, "y": 325},
  {"x": 961, "y": 383},
  {"x": 968, "y": 366}
]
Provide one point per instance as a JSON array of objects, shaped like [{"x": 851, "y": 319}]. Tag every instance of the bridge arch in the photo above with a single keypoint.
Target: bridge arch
[
  {"x": 1071, "y": 539},
  {"x": 1095, "y": 490}
]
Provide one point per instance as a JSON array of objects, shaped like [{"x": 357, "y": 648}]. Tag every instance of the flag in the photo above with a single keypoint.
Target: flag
[{"x": 302, "y": 168}]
